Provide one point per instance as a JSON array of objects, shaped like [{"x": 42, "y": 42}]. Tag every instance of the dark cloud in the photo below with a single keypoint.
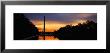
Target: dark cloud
[{"x": 62, "y": 17}]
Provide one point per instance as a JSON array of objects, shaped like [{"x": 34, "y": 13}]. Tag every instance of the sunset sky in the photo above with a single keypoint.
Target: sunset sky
[{"x": 54, "y": 21}]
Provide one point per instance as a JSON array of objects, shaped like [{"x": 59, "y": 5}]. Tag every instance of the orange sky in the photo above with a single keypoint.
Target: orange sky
[
  {"x": 51, "y": 26},
  {"x": 54, "y": 21}
]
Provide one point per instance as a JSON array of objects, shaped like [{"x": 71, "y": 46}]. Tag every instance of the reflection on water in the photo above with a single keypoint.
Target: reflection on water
[{"x": 47, "y": 38}]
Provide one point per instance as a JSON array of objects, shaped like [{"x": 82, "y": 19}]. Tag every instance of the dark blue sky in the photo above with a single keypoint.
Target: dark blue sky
[{"x": 62, "y": 17}]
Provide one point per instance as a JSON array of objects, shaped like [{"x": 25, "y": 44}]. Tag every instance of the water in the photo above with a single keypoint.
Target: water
[{"x": 40, "y": 37}]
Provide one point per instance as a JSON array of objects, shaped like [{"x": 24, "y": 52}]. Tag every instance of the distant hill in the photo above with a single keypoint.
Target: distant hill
[{"x": 23, "y": 28}]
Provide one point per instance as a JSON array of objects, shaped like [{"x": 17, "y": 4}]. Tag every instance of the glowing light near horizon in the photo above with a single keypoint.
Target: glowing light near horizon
[{"x": 51, "y": 26}]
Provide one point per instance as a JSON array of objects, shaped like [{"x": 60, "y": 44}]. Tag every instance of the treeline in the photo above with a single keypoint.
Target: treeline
[
  {"x": 85, "y": 31},
  {"x": 23, "y": 28}
]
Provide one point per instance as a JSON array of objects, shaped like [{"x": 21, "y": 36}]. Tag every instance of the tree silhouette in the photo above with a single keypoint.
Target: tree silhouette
[
  {"x": 23, "y": 28},
  {"x": 85, "y": 31}
]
